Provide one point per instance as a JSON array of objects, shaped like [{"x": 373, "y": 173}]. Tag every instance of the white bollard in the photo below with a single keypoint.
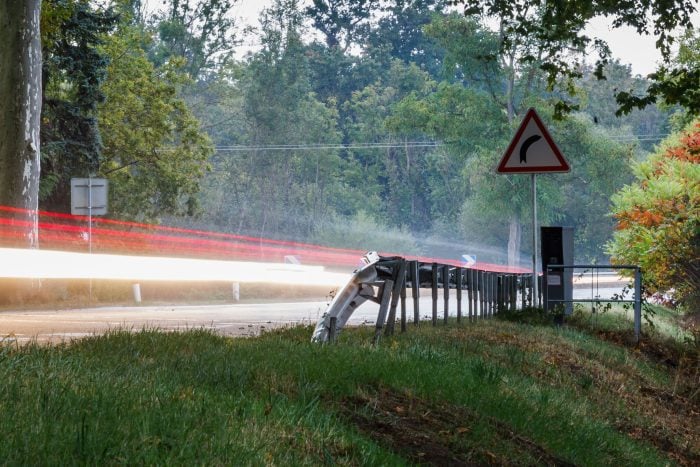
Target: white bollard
[
  {"x": 136, "y": 288},
  {"x": 236, "y": 291}
]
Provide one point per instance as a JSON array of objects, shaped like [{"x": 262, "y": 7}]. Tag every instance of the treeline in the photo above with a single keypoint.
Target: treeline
[{"x": 369, "y": 124}]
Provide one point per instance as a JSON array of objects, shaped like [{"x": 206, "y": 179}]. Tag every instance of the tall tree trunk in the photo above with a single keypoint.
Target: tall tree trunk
[
  {"x": 514, "y": 240},
  {"x": 20, "y": 94},
  {"x": 515, "y": 228}
]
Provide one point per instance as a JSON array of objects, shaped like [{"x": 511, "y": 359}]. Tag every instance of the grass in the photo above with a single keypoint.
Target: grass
[{"x": 490, "y": 392}]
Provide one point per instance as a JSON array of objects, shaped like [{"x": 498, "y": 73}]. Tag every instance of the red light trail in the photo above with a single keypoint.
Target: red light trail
[{"x": 60, "y": 231}]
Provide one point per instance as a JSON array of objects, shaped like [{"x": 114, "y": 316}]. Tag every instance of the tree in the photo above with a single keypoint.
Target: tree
[
  {"x": 202, "y": 32},
  {"x": 155, "y": 153},
  {"x": 389, "y": 182},
  {"x": 399, "y": 33},
  {"x": 341, "y": 21},
  {"x": 560, "y": 28},
  {"x": 505, "y": 76},
  {"x": 597, "y": 98},
  {"x": 658, "y": 219},
  {"x": 272, "y": 190},
  {"x": 74, "y": 69},
  {"x": 20, "y": 91}
]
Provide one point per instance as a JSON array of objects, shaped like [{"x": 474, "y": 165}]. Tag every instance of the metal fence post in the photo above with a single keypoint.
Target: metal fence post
[{"x": 637, "y": 303}]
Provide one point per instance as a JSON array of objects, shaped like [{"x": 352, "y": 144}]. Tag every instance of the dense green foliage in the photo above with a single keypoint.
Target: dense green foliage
[
  {"x": 153, "y": 150},
  {"x": 658, "y": 219},
  {"x": 484, "y": 392},
  {"x": 74, "y": 70}
]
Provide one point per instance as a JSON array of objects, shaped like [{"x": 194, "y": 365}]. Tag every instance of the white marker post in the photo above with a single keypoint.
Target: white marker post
[{"x": 537, "y": 153}]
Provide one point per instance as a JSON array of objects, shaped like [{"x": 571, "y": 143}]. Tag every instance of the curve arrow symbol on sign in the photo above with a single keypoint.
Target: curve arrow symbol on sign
[{"x": 526, "y": 145}]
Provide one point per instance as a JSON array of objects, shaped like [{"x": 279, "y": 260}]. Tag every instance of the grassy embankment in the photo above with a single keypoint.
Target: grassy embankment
[{"x": 490, "y": 392}]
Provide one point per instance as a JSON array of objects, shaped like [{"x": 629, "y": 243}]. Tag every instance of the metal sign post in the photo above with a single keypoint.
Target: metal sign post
[
  {"x": 89, "y": 208},
  {"x": 535, "y": 290},
  {"x": 532, "y": 150},
  {"x": 88, "y": 197}
]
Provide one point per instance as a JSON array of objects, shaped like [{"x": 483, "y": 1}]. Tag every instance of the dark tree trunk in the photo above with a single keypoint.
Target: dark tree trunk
[{"x": 20, "y": 111}]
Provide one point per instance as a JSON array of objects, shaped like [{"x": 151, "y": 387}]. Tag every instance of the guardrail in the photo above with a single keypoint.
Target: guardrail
[{"x": 385, "y": 280}]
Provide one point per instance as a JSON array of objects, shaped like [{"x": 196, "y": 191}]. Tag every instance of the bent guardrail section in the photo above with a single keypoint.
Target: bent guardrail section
[{"x": 385, "y": 280}]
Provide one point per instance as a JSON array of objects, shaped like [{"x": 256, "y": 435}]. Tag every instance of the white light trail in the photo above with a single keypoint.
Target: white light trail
[{"x": 49, "y": 264}]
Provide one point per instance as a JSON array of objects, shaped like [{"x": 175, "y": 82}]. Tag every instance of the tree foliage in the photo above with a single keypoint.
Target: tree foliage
[
  {"x": 269, "y": 190},
  {"x": 560, "y": 28},
  {"x": 341, "y": 21},
  {"x": 658, "y": 219},
  {"x": 74, "y": 69},
  {"x": 200, "y": 31},
  {"x": 154, "y": 151}
]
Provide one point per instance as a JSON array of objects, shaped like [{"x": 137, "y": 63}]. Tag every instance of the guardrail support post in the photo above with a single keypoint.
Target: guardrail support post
[
  {"x": 434, "y": 284},
  {"x": 403, "y": 299},
  {"x": 494, "y": 293},
  {"x": 383, "y": 308},
  {"x": 499, "y": 293},
  {"x": 399, "y": 277},
  {"x": 458, "y": 285},
  {"x": 332, "y": 329},
  {"x": 482, "y": 293},
  {"x": 415, "y": 291},
  {"x": 446, "y": 291}
]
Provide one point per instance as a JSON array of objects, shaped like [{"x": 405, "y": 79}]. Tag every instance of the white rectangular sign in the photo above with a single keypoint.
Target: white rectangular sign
[{"x": 88, "y": 196}]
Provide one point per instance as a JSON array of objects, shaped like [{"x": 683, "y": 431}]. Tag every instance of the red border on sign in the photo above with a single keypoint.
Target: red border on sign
[{"x": 532, "y": 114}]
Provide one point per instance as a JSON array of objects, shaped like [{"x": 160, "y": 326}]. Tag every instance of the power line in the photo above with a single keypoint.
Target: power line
[
  {"x": 387, "y": 145},
  {"x": 291, "y": 147}
]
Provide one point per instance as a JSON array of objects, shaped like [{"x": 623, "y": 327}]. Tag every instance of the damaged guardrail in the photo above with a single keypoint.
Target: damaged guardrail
[{"x": 385, "y": 280}]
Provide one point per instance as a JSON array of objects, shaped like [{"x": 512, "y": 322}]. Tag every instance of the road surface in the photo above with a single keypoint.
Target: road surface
[{"x": 245, "y": 319}]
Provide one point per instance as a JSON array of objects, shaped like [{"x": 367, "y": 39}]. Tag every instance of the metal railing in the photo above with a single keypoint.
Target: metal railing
[{"x": 636, "y": 300}]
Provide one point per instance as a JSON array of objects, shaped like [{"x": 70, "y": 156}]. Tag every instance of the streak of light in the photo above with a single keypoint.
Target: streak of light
[
  {"x": 114, "y": 236},
  {"x": 180, "y": 230},
  {"x": 49, "y": 264}
]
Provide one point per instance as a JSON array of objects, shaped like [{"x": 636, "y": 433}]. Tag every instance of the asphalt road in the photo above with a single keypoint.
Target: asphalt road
[
  {"x": 233, "y": 319},
  {"x": 244, "y": 319}
]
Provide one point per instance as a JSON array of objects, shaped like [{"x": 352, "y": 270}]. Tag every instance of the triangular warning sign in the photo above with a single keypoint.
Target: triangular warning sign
[{"x": 532, "y": 150}]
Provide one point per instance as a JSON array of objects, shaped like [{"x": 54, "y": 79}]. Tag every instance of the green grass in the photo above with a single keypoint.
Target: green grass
[{"x": 487, "y": 393}]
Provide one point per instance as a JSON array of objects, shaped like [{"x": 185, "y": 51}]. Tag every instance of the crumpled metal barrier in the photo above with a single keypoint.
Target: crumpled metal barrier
[
  {"x": 375, "y": 281},
  {"x": 384, "y": 280}
]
